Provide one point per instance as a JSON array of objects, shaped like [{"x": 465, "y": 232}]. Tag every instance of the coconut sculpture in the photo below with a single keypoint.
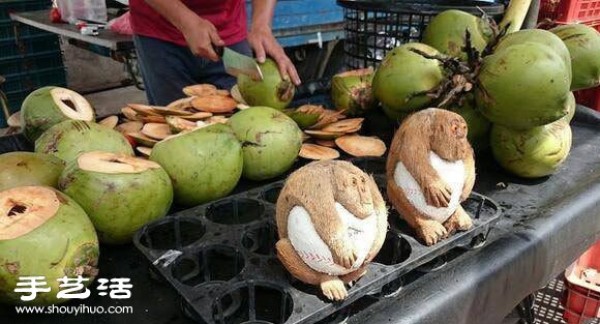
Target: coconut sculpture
[
  {"x": 332, "y": 221},
  {"x": 430, "y": 171}
]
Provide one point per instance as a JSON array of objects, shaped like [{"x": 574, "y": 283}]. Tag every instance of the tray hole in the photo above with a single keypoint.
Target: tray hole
[
  {"x": 272, "y": 193},
  {"x": 174, "y": 234},
  {"x": 395, "y": 250},
  {"x": 371, "y": 165},
  {"x": 216, "y": 263},
  {"x": 236, "y": 211},
  {"x": 253, "y": 303},
  {"x": 260, "y": 239}
]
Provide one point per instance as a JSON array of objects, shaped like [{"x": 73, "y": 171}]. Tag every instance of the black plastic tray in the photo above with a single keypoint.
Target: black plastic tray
[{"x": 220, "y": 257}]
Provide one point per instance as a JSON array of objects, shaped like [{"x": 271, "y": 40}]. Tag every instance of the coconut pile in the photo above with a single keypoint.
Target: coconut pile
[{"x": 327, "y": 130}]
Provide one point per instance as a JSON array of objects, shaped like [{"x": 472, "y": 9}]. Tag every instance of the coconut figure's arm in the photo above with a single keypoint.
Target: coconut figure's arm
[
  {"x": 381, "y": 212},
  {"x": 329, "y": 226},
  {"x": 414, "y": 155},
  {"x": 469, "y": 163}
]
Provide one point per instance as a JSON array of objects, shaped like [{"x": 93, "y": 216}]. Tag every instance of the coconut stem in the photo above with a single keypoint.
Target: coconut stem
[{"x": 515, "y": 15}]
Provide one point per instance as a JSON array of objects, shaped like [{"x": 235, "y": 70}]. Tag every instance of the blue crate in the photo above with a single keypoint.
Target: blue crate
[
  {"x": 7, "y": 31},
  {"x": 301, "y": 21}
]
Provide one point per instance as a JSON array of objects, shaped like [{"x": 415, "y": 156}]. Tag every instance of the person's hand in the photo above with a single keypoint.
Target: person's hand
[
  {"x": 200, "y": 35},
  {"x": 264, "y": 44}
]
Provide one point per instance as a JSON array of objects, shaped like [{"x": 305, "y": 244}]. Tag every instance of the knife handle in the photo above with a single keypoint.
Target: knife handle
[{"x": 218, "y": 50}]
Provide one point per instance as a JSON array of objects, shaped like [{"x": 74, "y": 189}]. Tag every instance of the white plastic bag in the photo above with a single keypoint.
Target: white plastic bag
[{"x": 89, "y": 10}]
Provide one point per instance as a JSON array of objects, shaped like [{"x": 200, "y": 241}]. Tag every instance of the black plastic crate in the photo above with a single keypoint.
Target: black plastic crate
[
  {"x": 220, "y": 257},
  {"x": 27, "y": 45},
  {"x": 30, "y": 62},
  {"x": 374, "y": 27},
  {"x": 31, "y": 80},
  {"x": 11, "y": 30}
]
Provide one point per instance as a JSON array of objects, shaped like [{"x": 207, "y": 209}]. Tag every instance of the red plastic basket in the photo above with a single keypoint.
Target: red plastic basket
[
  {"x": 570, "y": 11},
  {"x": 582, "y": 295}
]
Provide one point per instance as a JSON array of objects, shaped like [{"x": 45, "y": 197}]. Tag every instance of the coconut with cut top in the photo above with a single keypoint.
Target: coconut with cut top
[
  {"x": 48, "y": 106},
  {"x": 120, "y": 193},
  {"x": 44, "y": 233}
]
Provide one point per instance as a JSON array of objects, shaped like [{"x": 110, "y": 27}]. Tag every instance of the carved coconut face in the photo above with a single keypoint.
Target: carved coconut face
[
  {"x": 449, "y": 138},
  {"x": 353, "y": 191}
]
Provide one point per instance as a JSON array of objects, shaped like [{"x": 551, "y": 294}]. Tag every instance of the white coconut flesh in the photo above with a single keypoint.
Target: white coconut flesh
[
  {"x": 24, "y": 209},
  {"x": 315, "y": 253},
  {"x": 14, "y": 120},
  {"x": 452, "y": 173},
  {"x": 112, "y": 163},
  {"x": 72, "y": 104}
]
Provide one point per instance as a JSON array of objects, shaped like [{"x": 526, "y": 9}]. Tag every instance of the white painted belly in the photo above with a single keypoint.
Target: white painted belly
[
  {"x": 453, "y": 173},
  {"x": 313, "y": 250}
]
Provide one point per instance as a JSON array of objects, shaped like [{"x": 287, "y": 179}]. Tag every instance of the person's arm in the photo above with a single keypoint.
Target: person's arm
[
  {"x": 264, "y": 43},
  {"x": 200, "y": 34}
]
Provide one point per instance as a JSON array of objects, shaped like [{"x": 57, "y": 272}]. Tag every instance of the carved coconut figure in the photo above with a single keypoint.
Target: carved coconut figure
[
  {"x": 332, "y": 221},
  {"x": 430, "y": 171}
]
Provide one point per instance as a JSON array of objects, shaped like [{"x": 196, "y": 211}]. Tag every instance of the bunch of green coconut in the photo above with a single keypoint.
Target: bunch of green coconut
[{"x": 513, "y": 87}]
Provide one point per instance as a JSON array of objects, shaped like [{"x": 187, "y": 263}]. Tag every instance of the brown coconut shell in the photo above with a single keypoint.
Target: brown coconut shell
[
  {"x": 328, "y": 117},
  {"x": 318, "y": 152},
  {"x": 351, "y": 125},
  {"x": 214, "y": 104},
  {"x": 110, "y": 121},
  {"x": 326, "y": 143},
  {"x": 360, "y": 146},
  {"x": 157, "y": 131},
  {"x": 143, "y": 110},
  {"x": 130, "y": 114},
  {"x": 181, "y": 104},
  {"x": 200, "y": 90}
]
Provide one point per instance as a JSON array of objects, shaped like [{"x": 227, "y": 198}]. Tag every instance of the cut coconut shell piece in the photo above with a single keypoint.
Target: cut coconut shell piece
[
  {"x": 351, "y": 125},
  {"x": 236, "y": 95},
  {"x": 181, "y": 104},
  {"x": 328, "y": 117},
  {"x": 130, "y": 113},
  {"x": 144, "y": 151},
  {"x": 323, "y": 135},
  {"x": 318, "y": 152},
  {"x": 154, "y": 119},
  {"x": 142, "y": 139},
  {"x": 157, "y": 131},
  {"x": 242, "y": 106},
  {"x": 360, "y": 146},
  {"x": 199, "y": 90},
  {"x": 217, "y": 120},
  {"x": 14, "y": 120},
  {"x": 130, "y": 127},
  {"x": 326, "y": 143},
  {"x": 110, "y": 121},
  {"x": 224, "y": 93},
  {"x": 214, "y": 104},
  {"x": 197, "y": 116},
  {"x": 143, "y": 110},
  {"x": 178, "y": 124}
]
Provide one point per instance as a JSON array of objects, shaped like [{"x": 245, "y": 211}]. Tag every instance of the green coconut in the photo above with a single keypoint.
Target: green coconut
[
  {"x": 29, "y": 169},
  {"x": 397, "y": 116},
  {"x": 43, "y": 233},
  {"x": 120, "y": 193},
  {"x": 537, "y": 36},
  {"x": 446, "y": 32},
  {"x": 571, "y": 106},
  {"x": 404, "y": 76},
  {"x": 271, "y": 141},
  {"x": 272, "y": 91},
  {"x": 204, "y": 164},
  {"x": 70, "y": 138},
  {"x": 532, "y": 153},
  {"x": 48, "y": 106},
  {"x": 351, "y": 91},
  {"x": 583, "y": 43},
  {"x": 523, "y": 86},
  {"x": 478, "y": 126}
]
